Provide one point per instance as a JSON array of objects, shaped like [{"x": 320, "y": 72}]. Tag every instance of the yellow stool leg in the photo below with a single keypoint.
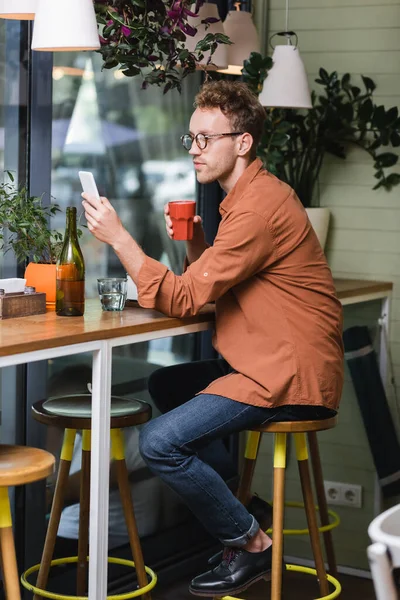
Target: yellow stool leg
[
  {"x": 302, "y": 460},
  {"x": 84, "y": 511},
  {"x": 7, "y": 548},
  {"x": 278, "y": 514},
  {"x": 118, "y": 454},
  {"x": 56, "y": 508},
  {"x": 250, "y": 457}
]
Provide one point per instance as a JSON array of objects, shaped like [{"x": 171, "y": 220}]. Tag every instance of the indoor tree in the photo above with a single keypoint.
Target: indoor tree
[
  {"x": 295, "y": 142},
  {"x": 147, "y": 38}
]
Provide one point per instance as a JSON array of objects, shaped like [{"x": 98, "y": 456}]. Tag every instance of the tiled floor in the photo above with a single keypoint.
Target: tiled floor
[{"x": 296, "y": 587}]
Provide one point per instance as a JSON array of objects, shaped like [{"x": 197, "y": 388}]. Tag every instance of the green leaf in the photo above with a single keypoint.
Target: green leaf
[
  {"x": 365, "y": 111},
  {"x": 392, "y": 180},
  {"x": 379, "y": 117},
  {"x": 324, "y": 75},
  {"x": 379, "y": 184},
  {"x": 280, "y": 139},
  {"x": 369, "y": 84},
  {"x": 183, "y": 54},
  {"x": 395, "y": 139},
  {"x": 110, "y": 63},
  {"x": 109, "y": 29},
  {"x": 345, "y": 80},
  {"x": 387, "y": 159},
  {"x": 391, "y": 115}
]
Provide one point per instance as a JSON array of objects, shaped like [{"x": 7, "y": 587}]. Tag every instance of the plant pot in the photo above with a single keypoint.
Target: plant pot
[
  {"x": 319, "y": 219},
  {"x": 43, "y": 278}
]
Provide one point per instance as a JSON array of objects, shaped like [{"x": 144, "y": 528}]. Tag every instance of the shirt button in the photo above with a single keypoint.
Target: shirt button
[{"x": 205, "y": 274}]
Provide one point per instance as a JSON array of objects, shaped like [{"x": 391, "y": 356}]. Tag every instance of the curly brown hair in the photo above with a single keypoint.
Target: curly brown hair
[{"x": 238, "y": 103}]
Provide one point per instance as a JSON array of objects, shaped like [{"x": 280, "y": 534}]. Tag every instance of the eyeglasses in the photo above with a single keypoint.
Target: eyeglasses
[{"x": 201, "y": 139}]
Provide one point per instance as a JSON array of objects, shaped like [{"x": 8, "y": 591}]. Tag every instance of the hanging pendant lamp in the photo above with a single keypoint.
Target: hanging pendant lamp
[
  {"x": 219, "y": 58},
  {"x": 240, "y": 29},
  {"x": 286, "y": 85},
  {"x": 65, "y": 25},
  {"x": 23, "y": 10}
]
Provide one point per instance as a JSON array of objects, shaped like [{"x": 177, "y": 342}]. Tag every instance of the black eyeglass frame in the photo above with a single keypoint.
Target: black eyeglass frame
[{"x": 206, "y": 137}]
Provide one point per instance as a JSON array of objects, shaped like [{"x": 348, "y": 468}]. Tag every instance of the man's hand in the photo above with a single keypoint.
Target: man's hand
[
  {"x": 105, "y": 225},
  {"x": 103, "y": 222},
  {"x": 194, "y": 247},
  {"x": 198, "y": 233}
]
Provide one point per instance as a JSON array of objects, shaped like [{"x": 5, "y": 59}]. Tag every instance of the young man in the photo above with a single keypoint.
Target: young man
[{"x": 278, "y": 323}]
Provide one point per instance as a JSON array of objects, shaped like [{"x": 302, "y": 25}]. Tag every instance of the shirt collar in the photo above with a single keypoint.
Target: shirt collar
[{"x": 244, "y": 180}]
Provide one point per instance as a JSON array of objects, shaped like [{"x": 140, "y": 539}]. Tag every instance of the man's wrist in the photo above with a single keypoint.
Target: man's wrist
[{"x": 121, "y": 241}]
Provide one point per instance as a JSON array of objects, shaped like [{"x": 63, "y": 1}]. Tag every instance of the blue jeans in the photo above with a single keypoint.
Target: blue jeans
[{"x": 169, "y": 445}]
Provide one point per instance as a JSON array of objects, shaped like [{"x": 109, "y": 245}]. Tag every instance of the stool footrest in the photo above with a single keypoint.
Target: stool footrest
[
  {"x": 336, "y": 584},
  {"x": 74, "y": 559},
  {"x": 322, "y": 528}
]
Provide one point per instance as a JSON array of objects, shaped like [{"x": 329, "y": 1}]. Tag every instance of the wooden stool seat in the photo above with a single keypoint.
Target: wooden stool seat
[
  {"x": 302, "y": 431},
  {"x": 20, "y": 465},
  {"x": 297, "y": 426},
  {"x": 75, "y": 411}
]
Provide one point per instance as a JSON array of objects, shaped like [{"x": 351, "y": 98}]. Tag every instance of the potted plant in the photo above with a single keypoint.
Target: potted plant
[
  {"x": 25, "y": 231},
  {"x": 295, "y": 142},
  {"x": 147, "y": 38}
]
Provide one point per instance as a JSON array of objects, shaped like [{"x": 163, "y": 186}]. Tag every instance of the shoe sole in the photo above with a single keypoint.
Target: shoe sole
[{"x": 237, "y": 590}]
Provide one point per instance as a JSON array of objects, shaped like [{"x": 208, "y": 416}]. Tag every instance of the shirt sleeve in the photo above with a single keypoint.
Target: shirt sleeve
[{"x": 243, "y": 246}]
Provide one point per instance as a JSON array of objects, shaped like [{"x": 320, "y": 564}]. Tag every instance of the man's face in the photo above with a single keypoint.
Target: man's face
[{"x": 218, "y": 159}]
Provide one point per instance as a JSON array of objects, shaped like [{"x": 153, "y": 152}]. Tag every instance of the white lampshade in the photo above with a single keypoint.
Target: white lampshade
[
  {"x": 286, "y": 85},
  {"x": 62, "y": 25},
  {"x": 220, "y": 56},
  {"x": 23, "y": 10},
  {"x": 240, "y": 29}
]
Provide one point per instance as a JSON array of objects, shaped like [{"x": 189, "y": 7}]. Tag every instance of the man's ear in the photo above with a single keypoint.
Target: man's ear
[{"x": 245, "y": 144}]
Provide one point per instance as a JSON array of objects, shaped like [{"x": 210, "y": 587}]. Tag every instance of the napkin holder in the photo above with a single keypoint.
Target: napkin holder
[{"x": 20, "y": 304}]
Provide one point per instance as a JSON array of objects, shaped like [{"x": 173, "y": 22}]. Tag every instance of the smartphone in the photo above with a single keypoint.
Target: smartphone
[{"x": 88, "y": 184}]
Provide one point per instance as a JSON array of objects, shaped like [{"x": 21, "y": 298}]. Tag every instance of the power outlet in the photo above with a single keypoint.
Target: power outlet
[
  {"x": 343, "y": 494},
  {"x": 351, "y": 495}
]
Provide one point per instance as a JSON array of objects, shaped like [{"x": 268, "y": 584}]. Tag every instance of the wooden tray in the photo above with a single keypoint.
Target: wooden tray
[{"x": 22, "y": 305}]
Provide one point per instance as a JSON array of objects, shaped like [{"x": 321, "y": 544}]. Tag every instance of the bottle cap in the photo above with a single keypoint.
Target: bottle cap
[{"x": 29, "y": 290}]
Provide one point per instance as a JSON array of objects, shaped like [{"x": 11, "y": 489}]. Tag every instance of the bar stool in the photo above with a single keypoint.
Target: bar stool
[
  {"x": 299, "y": 429},
  {"x": 18, "y": 465},
  {"x": 73, "y": 413}
]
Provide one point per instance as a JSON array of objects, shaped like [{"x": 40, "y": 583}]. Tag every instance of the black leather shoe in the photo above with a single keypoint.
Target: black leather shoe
[
  {"x": 261, "y": 511},
  {"x": 237, "y": 571}
]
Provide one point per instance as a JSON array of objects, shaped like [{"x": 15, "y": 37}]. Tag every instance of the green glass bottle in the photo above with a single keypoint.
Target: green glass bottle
[{"x": 70, "y": 274}]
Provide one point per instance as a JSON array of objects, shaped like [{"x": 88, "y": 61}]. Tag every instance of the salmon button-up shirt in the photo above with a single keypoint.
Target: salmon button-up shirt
[{"x": 278, "y": 320}]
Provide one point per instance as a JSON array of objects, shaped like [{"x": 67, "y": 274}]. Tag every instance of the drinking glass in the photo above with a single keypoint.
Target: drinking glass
[{"x": 112, "y": 293}]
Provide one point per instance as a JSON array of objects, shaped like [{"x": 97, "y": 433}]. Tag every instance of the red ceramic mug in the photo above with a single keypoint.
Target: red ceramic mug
[{"x": 182, "y": 213}]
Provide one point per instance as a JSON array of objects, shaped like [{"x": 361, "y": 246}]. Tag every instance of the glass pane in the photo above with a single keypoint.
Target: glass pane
[
  {"x": 130, "y": 139},
  {"x": 12, "y": 118},
  {"x": 2, "y": 93}
]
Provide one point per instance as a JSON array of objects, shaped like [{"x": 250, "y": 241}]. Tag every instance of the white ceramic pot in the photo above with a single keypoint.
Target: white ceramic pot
[{"x": 319, "y": 218}]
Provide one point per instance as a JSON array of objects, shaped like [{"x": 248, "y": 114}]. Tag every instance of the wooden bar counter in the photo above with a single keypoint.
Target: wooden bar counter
[{"x": 46, "y": 336}]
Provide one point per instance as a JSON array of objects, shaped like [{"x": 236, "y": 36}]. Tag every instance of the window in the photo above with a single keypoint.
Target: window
[{"x": 130, "y": 139}]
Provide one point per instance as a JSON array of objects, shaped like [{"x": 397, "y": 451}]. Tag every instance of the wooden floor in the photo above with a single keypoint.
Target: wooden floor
[{"x": 296, "y": 587}]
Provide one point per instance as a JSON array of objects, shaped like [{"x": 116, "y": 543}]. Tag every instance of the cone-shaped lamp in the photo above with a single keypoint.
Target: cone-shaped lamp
[
  {"x": 240, "y": 29},
  {"x": 23, "y": 10},
  {"x": 220, "y": 57},
  {"x": 65, "y": 25},
  {"x": 286, "y": 85}
]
